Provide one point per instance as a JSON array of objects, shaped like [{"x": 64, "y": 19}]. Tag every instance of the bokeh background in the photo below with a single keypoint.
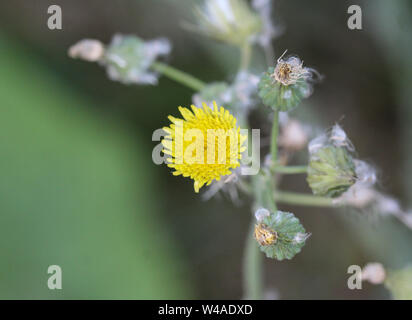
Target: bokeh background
[{"x": 78, "y": 187}]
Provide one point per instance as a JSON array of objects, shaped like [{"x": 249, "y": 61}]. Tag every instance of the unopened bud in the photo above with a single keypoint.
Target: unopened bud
[
  {"x": 229, "y": 21},
  {"x": 331, "y": 171}
]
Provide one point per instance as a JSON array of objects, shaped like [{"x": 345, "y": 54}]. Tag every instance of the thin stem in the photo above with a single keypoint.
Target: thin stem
[
  {"x": 304, "y": 199},
  {"x": 269, "y": 187},
  {"x": 252, "y": 267},
  {"x": 245, "y": 55},
  {"x": 178, "y": 76},
  {"x": 290, "y": 169},
  {"x": 264, "y": 196},
  {"x": 253, "y": 259},
  {"x": 274, "y": 139}
]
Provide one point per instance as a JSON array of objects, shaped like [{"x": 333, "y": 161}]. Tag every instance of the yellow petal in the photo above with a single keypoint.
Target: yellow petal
[{"x": 187, "y": 115}]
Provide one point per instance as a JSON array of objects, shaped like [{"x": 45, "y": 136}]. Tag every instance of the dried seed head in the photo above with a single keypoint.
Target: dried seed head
[
  {"x": 284, "y": 86},
  {"x": 264, "y": 235},
  {"x": 289, "y": 71},
  {"x": 279, "y": 234}
]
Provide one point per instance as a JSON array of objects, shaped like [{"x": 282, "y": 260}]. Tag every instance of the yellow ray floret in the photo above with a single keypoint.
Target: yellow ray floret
[{"x": 204, "y": 145}]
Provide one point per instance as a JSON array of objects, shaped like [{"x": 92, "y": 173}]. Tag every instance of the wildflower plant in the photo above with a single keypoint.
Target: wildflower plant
[{"x": 205, "y": 143}]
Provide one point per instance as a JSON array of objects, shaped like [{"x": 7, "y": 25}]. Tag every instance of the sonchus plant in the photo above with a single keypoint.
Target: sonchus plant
[{"x": 206, "y": 144}]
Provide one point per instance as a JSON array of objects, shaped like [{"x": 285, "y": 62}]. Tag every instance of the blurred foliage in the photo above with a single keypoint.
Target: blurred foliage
[
  {"x": 75, "y": 191},
  {"x": 392, "y": 25},
  {"x": 399, "y": 282}
]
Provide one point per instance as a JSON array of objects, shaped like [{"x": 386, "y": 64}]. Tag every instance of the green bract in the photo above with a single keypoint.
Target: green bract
[
  {"x": 331, "y": 171},
  {"x": 290, "y": 235},
  {"x": 281, "y": 97}
]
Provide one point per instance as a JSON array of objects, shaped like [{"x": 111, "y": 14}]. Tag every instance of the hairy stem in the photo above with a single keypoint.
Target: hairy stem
[{"x": 178, "y": 76}]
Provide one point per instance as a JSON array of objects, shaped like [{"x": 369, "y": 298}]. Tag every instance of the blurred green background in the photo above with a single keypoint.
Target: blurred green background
[{"x": 79, "y": 189}]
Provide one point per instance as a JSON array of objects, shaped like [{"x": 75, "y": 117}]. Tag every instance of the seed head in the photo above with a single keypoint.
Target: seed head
[
  {"x": 264, "y": 235},
  {"x": 279, "y": 234},
  {"x": 283, "y": 87}
]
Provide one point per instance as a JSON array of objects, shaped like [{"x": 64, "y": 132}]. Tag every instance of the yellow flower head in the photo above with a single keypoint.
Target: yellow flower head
[{"x": 204, "y": 145}]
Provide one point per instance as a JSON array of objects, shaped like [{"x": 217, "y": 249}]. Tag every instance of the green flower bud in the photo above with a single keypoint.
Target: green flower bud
[
  {"x": 279, "y": 235},
  {"x": 331, "y": 171},
  {"x": 128, "y": 58},
  {"x": 283, "y": 87},
  {"x": 229, "y": 21}
]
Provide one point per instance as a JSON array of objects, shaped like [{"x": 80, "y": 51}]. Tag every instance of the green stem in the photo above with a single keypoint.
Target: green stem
[
  {"x": 269, "y": 187},
  {"x": 264, "y": 196},
  {"x": 178, "y": 76},
  {"x": 252, "y": 272},
  {"x": 253, "y": 259},
  {"x": 303, "y": 199},
  {"x": 245, "y": 55},
  {"x": 274, "y": 139},
  {"x": 290, "y": 169}
]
